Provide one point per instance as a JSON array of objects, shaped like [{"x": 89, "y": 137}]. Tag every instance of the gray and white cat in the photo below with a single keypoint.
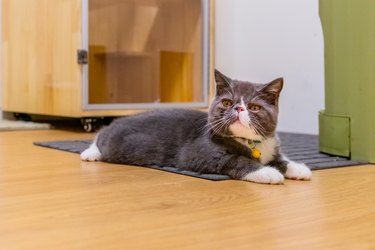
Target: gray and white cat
[{"x": 236, "y": 138}]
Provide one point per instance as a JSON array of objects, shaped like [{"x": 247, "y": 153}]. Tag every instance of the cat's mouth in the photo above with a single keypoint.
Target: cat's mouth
[
  {"x": 238, "y": 129},
  {"x": 242, "y": 127},
  {"x": 240, "y": 120}
]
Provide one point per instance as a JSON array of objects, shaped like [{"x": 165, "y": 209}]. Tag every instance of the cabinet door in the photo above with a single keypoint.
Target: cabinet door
[
  {"x": 39, "y": 43},
  {"x": 146, "y": 53}
]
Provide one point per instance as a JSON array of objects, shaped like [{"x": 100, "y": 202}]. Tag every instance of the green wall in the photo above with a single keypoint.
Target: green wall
[{"x": 349, "y": 41}]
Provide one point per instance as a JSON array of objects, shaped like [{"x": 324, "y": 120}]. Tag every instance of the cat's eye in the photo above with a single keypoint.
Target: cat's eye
[
  {"x": 227, "y": 103},
  {"x": 253, "y": 107}
]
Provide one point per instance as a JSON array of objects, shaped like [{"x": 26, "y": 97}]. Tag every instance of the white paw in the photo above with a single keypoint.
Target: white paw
[
  {"x": 266, "y": 175},
  {"x": 91, "y": 154},
  {"x": 298, "y": 171}
]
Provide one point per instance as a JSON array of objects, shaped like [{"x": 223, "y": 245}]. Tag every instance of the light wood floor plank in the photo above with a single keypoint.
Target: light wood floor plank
[{"x": 49, "y": 199}]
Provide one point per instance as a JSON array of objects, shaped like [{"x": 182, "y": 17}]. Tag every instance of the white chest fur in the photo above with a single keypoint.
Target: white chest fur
[{"x": 266, "y": 147}]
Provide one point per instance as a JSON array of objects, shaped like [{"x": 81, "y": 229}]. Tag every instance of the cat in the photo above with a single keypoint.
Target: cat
[{"x": 236, "y": 137}]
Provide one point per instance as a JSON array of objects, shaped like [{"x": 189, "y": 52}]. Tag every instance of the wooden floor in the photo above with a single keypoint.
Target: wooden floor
[{"x": 49, "y": 199}]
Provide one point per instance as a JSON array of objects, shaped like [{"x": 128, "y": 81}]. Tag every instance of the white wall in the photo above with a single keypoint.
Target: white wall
[{"x": 259, "y": 40}]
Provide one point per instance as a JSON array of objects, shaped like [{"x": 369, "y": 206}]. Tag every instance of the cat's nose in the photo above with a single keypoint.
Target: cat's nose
[{"x": 239, "y": 109}]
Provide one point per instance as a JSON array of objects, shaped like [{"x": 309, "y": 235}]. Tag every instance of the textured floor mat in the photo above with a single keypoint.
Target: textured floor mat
[
  {"x": 305, "y": 148},
  {"x": 298, "y": 147}
]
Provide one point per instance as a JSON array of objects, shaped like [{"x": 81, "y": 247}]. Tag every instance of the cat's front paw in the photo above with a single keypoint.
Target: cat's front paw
[
  {"x": 265, "y": 175},
  {"x": 298, "y": 171}
]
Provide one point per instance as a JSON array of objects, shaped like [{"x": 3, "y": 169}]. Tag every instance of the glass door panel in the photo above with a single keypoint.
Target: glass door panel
[{"x": 147, "y": 52}]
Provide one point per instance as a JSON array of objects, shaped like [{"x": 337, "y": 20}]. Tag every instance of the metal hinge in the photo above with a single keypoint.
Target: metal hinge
[{"x": 81, "y": 56}]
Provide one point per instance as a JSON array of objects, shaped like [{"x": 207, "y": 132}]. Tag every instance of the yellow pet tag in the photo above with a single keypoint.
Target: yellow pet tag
[{"x": 255, "y": 153}]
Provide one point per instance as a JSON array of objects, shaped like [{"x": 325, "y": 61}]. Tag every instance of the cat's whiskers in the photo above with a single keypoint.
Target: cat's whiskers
[
  {"x": 224, "y": 124},
  {"x": 258, "y": 128},
  {"x": 206, "y": 125},
  {"x": 213, "y": 123},
  {"x": 253, "y": 126},
  {"x": 256, "y": 124},
  {"x": 216, "y": 126},
  {"x": 248, "y": 122}
]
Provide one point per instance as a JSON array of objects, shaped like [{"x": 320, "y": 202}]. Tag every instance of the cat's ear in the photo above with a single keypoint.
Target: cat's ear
[
  {"x": 223, "y": 83},
  {"x": 271, "y": 91}
]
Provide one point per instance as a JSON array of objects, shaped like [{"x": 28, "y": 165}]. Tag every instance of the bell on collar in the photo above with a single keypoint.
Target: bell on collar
[{"x": 255, "y": 153}]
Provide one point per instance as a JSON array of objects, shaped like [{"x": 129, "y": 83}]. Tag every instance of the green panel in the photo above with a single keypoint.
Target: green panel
[
  {"x": 349, "y": 43},
  {"x": 334, "y": 134}
]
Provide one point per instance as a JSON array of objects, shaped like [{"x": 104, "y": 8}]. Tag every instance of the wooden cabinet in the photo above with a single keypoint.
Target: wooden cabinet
[{"x": 85, "y": 58}]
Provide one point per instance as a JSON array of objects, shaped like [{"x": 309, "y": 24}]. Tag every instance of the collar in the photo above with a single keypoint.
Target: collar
[
  {"x": 252, "y": 144},
  {"x": 254, "y": 141},
  {"x": 249, "y": 141}
]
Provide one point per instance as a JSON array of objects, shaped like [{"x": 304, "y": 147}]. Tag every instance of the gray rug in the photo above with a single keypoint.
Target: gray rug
[{"x": 298, "y": 147}]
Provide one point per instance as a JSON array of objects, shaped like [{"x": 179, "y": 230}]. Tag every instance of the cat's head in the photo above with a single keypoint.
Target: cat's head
[{"x": 244, "y": 109}]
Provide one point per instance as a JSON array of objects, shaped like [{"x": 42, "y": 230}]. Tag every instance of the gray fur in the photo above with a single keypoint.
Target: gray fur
[{"x": 194, "y": 140}]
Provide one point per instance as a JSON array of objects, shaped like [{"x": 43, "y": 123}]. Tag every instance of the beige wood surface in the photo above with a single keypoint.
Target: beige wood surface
[
  {"x": 40, "y": 40},
  {"x": 49, "y": 199}
]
